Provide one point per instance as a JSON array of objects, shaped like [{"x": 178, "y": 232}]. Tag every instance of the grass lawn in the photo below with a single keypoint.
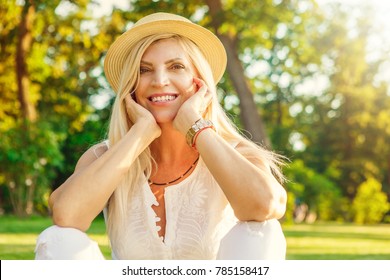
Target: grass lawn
[
  {"x": 333, "y": 241},
  {"x": 319, "y": 241},
  {"x": 18, "y": 236}
]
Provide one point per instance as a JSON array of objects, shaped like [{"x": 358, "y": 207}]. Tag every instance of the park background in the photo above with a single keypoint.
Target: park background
[{"x": 308, "y": 79}]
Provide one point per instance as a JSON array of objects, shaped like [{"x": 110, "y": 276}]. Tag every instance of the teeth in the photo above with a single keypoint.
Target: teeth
[{"x": 163, "y": 98}]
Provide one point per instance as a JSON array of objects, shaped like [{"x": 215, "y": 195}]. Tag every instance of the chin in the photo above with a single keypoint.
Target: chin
[{"x": 164, "y": 119}]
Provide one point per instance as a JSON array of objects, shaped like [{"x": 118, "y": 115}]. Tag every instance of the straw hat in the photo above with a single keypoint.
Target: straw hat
[{"x": 157, "y": 23}]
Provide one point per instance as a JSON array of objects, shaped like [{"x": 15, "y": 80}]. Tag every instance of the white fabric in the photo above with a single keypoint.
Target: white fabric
[
  {"x": 56, "y": 243},
  {"x": 198, "y": 215},
  {"x": 254, "y": 241},
  {"x": 246, "y": 240}
]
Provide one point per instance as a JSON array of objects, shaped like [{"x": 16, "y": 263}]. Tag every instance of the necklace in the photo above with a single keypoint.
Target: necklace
[{"x": 177, "y": 179}]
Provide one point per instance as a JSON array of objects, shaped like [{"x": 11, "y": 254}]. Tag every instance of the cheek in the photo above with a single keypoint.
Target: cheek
[
  {"x": 140, "y": 100},
  {"x": 189, "y": 88},
  {"x": 188, "y": 92},
  {"x": 140, "y": 91}
]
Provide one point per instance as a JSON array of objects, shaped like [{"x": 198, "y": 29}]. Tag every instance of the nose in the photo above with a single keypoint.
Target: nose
[{"x": 160, "y": 78}]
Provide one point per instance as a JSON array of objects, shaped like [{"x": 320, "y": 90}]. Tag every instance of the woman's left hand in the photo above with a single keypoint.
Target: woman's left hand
[{"x": 193, "y": 108}]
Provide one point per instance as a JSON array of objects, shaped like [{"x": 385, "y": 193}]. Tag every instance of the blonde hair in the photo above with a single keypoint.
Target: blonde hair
[{"x": 142, "y": 166}]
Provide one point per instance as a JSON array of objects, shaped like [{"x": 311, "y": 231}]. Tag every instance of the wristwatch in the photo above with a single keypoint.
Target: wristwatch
[{"x": 197, "y": 126}]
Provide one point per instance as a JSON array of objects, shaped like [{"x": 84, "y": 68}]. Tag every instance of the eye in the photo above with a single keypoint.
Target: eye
[
  {"x": 143, "y": 70},
  {"x": 177, "y": 66}
]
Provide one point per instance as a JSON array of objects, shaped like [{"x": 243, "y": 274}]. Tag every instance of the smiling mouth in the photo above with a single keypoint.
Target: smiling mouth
[{"x": 163, "y": 98}]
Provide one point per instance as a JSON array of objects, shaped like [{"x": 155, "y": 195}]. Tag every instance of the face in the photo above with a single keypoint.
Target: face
[{"x": 166, "y": 79}]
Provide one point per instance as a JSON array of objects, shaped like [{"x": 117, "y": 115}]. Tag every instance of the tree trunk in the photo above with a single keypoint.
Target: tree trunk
[
  {"x": 250, "y": 116},
  {"x": 23, "y": 47},
  {"x": 22, "y": 192}
]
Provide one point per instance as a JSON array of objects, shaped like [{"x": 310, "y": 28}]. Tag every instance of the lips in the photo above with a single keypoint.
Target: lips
[{"x": 162, "y": 98}]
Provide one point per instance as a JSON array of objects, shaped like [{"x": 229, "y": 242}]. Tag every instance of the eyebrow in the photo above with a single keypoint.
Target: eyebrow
[{"x": 166, "y": 62}]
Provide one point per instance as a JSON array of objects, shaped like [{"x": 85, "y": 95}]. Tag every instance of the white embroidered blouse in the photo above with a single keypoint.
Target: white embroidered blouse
[{"x": 198, "y": 215}]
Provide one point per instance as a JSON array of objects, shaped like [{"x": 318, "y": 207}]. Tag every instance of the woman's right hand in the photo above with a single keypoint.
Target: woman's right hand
[{"x": 139, "y": 115}]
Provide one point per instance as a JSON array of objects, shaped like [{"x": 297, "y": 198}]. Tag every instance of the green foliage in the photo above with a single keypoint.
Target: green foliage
[
  {"x": 29, "y": 159},
  {"x": 370, "y": 204},
  {"x": 346, "y": 126},
  {"x": 320, "y": 194},
  {"x": 64, "y": 72},
  {"x": 288, "y": 217}
]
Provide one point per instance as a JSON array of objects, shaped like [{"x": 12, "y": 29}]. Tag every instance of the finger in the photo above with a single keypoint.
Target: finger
[
  {"x": 206, "y": 101},
  {"x": 198, "y": 82},
  {"x": 202, "y": 87},
  {"x": 130, "y": 105},
  {"x": 208, "y": 97},
  {"x": 128, "y": 99}
]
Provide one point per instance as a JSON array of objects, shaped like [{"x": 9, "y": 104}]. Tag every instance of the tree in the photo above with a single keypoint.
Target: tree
[
  {"x": 46, "y": 97},
  {"x": 351, "y": 116},
  {"x": 250, "y": 116},
  {"x": 24, "y": 44},
  {"x": 370, "y": 204},
  {"x": 315, "y": 190}
]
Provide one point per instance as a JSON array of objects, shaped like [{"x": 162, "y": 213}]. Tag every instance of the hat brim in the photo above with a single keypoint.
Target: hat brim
[{"x": 208, "y": 43}]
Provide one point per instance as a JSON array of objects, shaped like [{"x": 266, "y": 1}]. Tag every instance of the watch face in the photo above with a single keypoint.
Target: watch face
[{"x": 202, "y": 124}]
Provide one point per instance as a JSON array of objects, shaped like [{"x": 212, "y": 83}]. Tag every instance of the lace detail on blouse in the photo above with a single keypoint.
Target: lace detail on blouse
[{"x": 198, "y": 215}]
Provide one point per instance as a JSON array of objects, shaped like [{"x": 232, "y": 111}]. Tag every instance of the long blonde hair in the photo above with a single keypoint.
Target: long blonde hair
[{"x": 142, "y": 166}]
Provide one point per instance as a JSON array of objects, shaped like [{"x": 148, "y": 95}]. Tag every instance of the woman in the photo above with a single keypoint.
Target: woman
[{"x": 175, "y": 180}]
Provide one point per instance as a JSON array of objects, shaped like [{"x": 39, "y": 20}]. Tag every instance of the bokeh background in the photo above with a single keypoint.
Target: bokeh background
[{"x": 308, "y": 79}]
